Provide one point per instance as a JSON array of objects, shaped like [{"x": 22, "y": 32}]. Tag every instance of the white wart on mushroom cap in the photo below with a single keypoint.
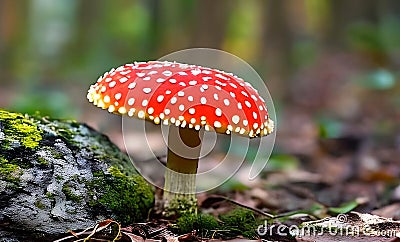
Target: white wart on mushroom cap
[{"x": 184, "y": 95}]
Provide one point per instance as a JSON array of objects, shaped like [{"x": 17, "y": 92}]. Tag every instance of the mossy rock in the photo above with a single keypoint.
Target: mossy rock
[{"x": 57, "y": 175}]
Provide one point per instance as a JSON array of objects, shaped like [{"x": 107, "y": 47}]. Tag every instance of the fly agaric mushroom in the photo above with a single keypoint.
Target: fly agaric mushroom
[{"x": 187, "y": 97}]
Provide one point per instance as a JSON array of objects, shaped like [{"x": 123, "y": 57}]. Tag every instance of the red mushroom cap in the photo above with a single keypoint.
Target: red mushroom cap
[{"x": 185, "y": 95}]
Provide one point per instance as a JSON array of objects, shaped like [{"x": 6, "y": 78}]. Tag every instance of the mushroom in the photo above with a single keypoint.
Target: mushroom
[{"x": 188, "y": 98}]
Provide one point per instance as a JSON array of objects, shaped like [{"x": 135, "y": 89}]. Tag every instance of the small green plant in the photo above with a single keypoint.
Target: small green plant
[
  {"x": 203, "y": 223},
  {"x": 240, "y": 222}
]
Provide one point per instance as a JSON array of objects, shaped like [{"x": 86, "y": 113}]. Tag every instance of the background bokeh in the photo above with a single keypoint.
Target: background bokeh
[{"x": 331, "y": 66}]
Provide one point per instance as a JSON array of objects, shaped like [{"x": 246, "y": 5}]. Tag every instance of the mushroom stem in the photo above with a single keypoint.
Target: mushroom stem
[{"x": 184, "y": 147}]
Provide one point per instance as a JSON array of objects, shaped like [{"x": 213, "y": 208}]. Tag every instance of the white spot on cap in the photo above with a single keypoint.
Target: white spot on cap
[
  {"x": 141, "y": 114},
  {"x": 181, "y": 94},
  {"x": 160, "y": 98},
  {"x": 220, "y": 83},
  {"x": 221, "y": 76},
  {"x": 190, "y": 98},
  {"x": 181, "y": 107},
  {"x": 195, "y": 72},
  {"x": 218, "y": 112},
  {"x": 239, "y": 105},
  {"x": 112, "y": 84},
  {"x": 254, "y": 97},
  {"x": 172, "y": 80},
  {"x": 150, "y": 110},
  {"x": 147, "y": 78},
  {"x": 192, "y": 120},
  {"x": 131, "y": 101},
  {"x": 226, "y": 102},
  {"x": 182, "y": 84},
  {"x": 152, "y": 72},
  {"x": 217, "y": 124},
  {"x": 216, "y": 96},
  {"x": 233, "y": 85},
  {"x": 145, "y": 102},
  {"x": 131, "y": 112},
  {"x": 255, "y": 125},
  {"x": 167, "y": 111},
  {"x": 232, "y": 94},
  {"x": 206, "y": 78},
  {"x": 182, "y": 73},
  {"x": 123, "y": 79},
  {"x": 147, "y": 90},
  {"x": 192, "y": 110},
  {"x": 173, "y": 100},
  {"x": 108, "y": 79},
  {"x": 235, "y": 119},
  {"x": 197, "y": 127},
  {"x": 204, "y": 86},
  {"x": 203, "y": 100},
  {"x": 111, "y": 108},
  {"x": 193, "y": 82},
  {"x": 254, "y": 115},
  {"x": 167, "y": 73},
  {"x": 245, "y": 122},
  {"x": 122, "y": 110},
  {"x": 132, "y": 85},
  {"x": 140, "y": 74},
  {"x": 168, "y": 92},
  {"x": 160, "y": 80},
  {"x": 244, "y": 93},
  {"x": 106, "y": 99},
  {"x": 103, "y": 89},
  {"x": 218, "y": 88},
  {"x": 260, "y": 107}
]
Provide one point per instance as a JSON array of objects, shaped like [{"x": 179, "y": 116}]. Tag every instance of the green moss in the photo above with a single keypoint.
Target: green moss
[
  {"x": 203, "y": 223},
  {"x": 69, "y": 194},
  {"x": 8, "y": 171},
  {"x": 17, "y": 127},
  {"x": 50, "y": 195},
  {"x": 181, "y": 206},
  {"x": 240, "y": 222},
  {"x": 39, "y": 205},
  {"x": 129, "y": 197},
  {"x": 42, "y": 161}
]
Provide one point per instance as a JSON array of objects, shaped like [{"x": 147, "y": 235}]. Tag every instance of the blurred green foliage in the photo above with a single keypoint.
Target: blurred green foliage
[
  {"x": 380, "y": 79},
  {"x": 329, "y": 127}
]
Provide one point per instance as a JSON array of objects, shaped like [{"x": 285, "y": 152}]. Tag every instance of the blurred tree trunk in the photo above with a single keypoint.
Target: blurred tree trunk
[
  {"x": 211, "y": 23},
  {"x": 11, "y": 33},
  {"x": 344, "y": 12},
  {"x": 277, "y": 41}
]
